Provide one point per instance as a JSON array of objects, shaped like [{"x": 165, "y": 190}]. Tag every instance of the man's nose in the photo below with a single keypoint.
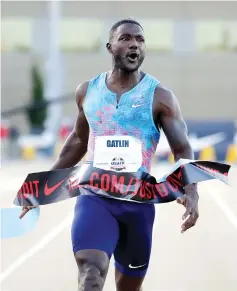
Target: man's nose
[{"x": 133, "y": 44}]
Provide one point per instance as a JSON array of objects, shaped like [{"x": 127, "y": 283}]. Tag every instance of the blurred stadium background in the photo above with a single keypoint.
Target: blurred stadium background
[{"x": 47, "y": 50}]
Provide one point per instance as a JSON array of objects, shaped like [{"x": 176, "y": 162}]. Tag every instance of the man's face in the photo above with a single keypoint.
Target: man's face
[{"x": 128, "y": 47}]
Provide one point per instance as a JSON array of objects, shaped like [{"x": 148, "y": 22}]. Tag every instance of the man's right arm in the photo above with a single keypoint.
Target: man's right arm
[{"x": 75, "y": 146}]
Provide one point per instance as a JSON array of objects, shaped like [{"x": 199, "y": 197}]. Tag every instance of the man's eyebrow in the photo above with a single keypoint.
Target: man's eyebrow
[{"x": 131, "y": 34}]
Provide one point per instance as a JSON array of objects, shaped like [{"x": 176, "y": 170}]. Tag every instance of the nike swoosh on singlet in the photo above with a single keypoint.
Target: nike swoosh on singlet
[
  {"x": 48, "y": 190},
  {"x": 136, "y": 105}
]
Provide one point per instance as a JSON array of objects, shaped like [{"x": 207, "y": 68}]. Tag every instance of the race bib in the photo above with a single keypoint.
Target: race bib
[{"x": 118, "y": 153}]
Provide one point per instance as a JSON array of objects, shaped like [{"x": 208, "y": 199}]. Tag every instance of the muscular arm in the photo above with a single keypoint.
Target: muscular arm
[
  {"x": 170, "y": 119},
  {"x": 172, "y": 123},
  {"x": 75, "y": 146}
]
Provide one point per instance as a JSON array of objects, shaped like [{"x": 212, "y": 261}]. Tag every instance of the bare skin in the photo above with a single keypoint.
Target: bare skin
[
  {"x": 167, "y": 115},
  {"x": 93, "y": 264}
]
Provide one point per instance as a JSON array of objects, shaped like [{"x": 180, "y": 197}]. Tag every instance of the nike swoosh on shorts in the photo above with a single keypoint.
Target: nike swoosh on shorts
[{"x": 136, "y": 267}]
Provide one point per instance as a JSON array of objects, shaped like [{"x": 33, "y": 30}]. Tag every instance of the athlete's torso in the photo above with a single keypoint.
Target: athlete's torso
[{"x": 123, "y": 124}]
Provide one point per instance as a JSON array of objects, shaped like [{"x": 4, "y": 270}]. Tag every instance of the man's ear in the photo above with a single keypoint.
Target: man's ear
[{"x": 108, "y": 46}]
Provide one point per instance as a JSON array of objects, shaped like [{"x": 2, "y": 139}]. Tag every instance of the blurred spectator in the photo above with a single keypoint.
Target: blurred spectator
[
  {"x": 66, "y": 128},
  {"x": 4, "y": 139},
  {"x": 13, "y": 150}
]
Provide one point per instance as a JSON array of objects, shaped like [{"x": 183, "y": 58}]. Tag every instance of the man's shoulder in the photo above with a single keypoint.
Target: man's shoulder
[
  {"x": 164, "y": 95},
  {"x": 91, "y": 81},
  {"x": 151, "y": 77},
  {"x": 161, "y": 89},
  {"x": 82, "y": 88}
]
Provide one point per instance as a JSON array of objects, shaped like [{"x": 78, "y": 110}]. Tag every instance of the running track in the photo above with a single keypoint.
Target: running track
[{"x": 203, "y": 259}]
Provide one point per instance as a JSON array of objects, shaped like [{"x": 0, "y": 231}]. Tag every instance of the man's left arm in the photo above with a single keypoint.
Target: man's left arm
[{"x": 170, "y": 119}]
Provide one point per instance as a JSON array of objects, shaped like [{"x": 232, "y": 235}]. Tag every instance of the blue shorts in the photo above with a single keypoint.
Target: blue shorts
[{"x": 119, "y": 228}]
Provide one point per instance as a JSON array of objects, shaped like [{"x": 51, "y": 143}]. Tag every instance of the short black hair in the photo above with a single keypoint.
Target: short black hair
[{"x": 123, "y": 21}]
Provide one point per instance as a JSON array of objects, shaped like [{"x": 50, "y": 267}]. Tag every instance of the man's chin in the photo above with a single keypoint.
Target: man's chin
[{"x": 130, "y": 68}]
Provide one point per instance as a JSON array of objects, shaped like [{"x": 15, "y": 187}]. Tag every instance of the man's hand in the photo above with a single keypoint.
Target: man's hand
[
  {"x": 25, "y": 209},
  {"x": 190, "y": 202}
]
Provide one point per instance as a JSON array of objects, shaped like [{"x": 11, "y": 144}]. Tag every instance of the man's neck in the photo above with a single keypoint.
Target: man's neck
[{"x": 123, "y": 78}]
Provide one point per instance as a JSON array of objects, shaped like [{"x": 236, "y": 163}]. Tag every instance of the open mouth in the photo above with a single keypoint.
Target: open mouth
[{"x": 133, "y": 57}]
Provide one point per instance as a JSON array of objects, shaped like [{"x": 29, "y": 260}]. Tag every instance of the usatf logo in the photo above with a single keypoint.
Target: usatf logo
[{"x": 117, "y": 164}]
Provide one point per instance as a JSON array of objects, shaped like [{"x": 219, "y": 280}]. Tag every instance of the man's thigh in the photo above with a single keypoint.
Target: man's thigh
[
  {"x": 94, "y": 227},
  {"x": 132, "y": 253}
]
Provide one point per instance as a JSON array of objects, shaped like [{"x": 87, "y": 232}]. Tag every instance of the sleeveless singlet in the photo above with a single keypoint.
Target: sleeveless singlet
[{"x": 123, "y": 135}]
